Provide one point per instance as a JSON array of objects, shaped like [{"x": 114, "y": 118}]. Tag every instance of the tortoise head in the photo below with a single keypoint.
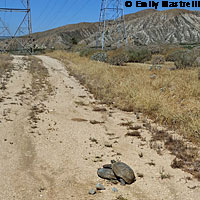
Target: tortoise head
[{"x": 113, "y": 161}]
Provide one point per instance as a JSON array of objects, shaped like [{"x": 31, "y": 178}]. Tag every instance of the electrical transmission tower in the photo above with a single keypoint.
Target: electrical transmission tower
[
  {"x": 20, "y": 37},
  {"x": 112, "y": 30}
]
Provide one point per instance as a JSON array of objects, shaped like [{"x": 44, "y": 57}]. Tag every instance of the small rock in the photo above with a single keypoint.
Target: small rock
[
  {"x": 99, "y": 186},
  {"x": 140, "y": 175},
  {"x": 153, "y": 76},
  {"x": 162, "y": 89},
  {"x": 150, "y": 68},
  {"x": 114, "y": 189},
  {"x": 92, "y": 191},
  {"x": 140, "y": 155},
  {"x": 95, "y": 122},
  {"x": 134, "y": 134},
  {"x": 108, "y": 145},
  {"x": 172, "y": 68},
  {"x": 98, "y": 109},
  {"x": 159, "y": 67},
  {"x": 136, "y": 127}
]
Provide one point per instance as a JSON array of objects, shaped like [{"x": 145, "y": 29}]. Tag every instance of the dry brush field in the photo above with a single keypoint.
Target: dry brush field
[{"x": 168, "y": 97}]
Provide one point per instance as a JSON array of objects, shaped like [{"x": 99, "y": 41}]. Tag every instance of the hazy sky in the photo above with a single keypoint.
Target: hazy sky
[{"x": 47, "y": 14}]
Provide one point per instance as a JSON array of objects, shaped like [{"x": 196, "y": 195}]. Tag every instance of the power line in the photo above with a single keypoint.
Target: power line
[
  {"x": 43, "y": 11},
  {"x": 61, "y": 10},
  {"x": 52, "y": 14},
  {"x": 82, "y": 6},
  {"x": 69, "y": 8}
]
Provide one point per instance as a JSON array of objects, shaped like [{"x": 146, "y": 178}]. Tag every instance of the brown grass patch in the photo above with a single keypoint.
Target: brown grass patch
[
  {"x": 172, "y": 98},
  {"x": 5, "y": 64},
  {"x": 6, "y": 68},
  {"x": 186, "y": 156},
  {"x": 40, "y": 85}
]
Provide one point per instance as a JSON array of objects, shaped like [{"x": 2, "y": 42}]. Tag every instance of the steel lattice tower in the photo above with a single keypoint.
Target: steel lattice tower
[
  {"x": 23, "y": 29},
  {"x": 112, "y": 30}
]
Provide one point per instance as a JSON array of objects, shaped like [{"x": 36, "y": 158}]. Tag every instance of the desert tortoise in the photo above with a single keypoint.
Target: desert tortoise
[{"x": 117, "y": 171}]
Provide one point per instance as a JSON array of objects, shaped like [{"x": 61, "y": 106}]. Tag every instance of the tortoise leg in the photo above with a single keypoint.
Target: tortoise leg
[
  {"x": 122, "y": 182},
  {"x": 114, "y": 181}
]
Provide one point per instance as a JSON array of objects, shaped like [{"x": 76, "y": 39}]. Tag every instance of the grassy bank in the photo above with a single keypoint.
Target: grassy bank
[
  {"x": 5, "y": 64},
  {"x": 171, "y": 98}
]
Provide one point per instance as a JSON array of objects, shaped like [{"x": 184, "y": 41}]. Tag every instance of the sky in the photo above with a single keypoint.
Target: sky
[{"x": 48, "y": 14}]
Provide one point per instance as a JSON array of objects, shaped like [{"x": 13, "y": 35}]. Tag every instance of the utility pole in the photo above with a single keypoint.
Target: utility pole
[
  {"x": 22, "y": 35},
  {"x": 112, "y": 30}
]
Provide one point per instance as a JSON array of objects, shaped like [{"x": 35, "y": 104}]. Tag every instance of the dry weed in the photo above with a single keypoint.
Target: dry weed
[{"x": 172, "y": 98}]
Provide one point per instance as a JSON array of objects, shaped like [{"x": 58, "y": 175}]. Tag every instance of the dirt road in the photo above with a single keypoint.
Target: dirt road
[{"x": 53, "y": 141}]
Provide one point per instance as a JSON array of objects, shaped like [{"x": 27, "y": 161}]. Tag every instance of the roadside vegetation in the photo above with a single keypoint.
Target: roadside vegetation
[
  {"x": 170, "y": 97},
  {"x": 5, "y": 63},
  {"x": 6, "y": 68},
  {"x": 40, "y": 86}
]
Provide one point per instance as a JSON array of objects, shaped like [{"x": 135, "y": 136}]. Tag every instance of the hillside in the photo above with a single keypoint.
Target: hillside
[
  {"x": 150, "y": 26},
  {"x": 62, "y": 37},
  {"x": 145, "y": 27},
  {"x": 171, "y": 26}
]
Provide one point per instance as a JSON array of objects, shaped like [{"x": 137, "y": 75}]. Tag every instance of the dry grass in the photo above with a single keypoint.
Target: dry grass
[
  {"x": 6, "y": 68},
  {"x": 5, "y": 64},
  {"x": 171, "y": 98},
  {"x": 40, "y": 84},
  {"x": 186, "y": 156}
]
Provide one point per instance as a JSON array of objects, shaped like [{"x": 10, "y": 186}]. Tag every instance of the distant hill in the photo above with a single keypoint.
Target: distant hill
[
  {"x": 145, "y": 27},
  {"x": 65, "y": 36},
  {"x": 4, "y": 37},
  {"x": 170, "y": 26}
]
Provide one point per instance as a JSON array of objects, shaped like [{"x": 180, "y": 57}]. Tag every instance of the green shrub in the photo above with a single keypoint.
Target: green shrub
[
  {"x": 117, "y": 57},
  {"x": 185, "y": 60},
  {"x": 158, "y": 59},
  {"x": 74, "y": 41},
  {"x": 139, "y": 55},
  {"x": 100, "y": 56},
  {"x": 197, "y": 62},
  {"x": 173, "y": 55},
  {"x": 87, "y": 52}
]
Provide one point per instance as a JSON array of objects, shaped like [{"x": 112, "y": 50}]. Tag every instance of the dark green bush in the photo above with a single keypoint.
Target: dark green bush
[
  {"x": 173, "y": 55},
  {"x": 99, "y": 56},
  {"x": 87, "y": 52},
  {"x": 158, "y": 59},
  {"x": 185, "y": 60},
  {"x": 197, "y": 62},
  {"x": 117, "y": 57},
  {"x": 198, "y": 74},
  {"x": 119, "y": 60},
  {"x": 138, "y": 55},
  {"x": 74, "y": 41}
]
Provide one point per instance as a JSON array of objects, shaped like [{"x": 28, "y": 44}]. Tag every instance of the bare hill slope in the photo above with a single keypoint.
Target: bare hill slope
[
  {"x": 145, "y": 27},
  {"x": 171, "y": 26}
]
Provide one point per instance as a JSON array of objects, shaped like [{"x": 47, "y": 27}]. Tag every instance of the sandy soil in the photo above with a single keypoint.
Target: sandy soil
[{"x": 55, "y": 153}]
